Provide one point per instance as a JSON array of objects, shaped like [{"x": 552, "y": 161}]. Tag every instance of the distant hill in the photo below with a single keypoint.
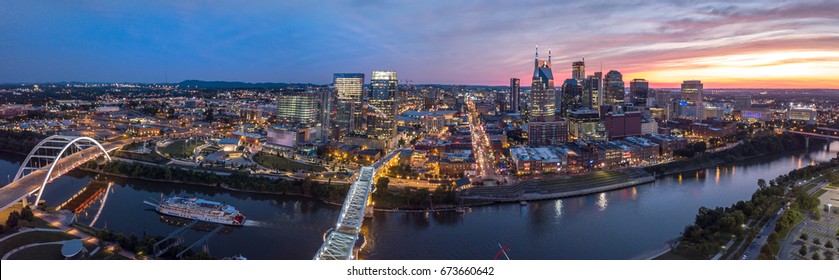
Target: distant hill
[{"x": 224, "y": 84}]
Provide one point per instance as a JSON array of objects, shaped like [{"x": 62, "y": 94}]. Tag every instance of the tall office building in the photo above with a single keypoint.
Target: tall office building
[
  {"x": 663, "y": 98},
  {"x": 690, "y": 104},
  {"x": 382, "y": 105},
  {"x": 298, "y": 108},
  {"x": 551, "y": 132},
  {"x": 349, "y": 92},
  {"x": 327, "y": 106},
  {"x": 578, "y": 70},
  {"x": 639, "y": 91},
  {"x": 515, "y": 90},
  {"x": 593, "y": 94},
  {"x": 582, "y": 124},
  {"x": 501, "y": 99},
  {"x": 614, "y": 92},
  {"x": 572, "y": 96},
  {"x": 542, "y": 92}
]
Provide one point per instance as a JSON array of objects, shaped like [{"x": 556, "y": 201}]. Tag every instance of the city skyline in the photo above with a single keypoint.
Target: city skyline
[{"x": 738, "y": 45}]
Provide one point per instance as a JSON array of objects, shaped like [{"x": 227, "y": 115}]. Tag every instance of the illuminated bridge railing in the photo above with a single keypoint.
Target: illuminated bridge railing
[{"x": 340, "y": 242}]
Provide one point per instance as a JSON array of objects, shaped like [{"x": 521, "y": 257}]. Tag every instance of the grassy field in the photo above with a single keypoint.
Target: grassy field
[
  {"x": 281, "y": 163},
  {"x": 150, "y": 157},
  {"x": 42, "y": 252},
  {"x": 32, "y": 237},
  {"x": 558, "y": 185},
  {"x": 180, "y": 148},
  {"x": 819, "y": 193}
]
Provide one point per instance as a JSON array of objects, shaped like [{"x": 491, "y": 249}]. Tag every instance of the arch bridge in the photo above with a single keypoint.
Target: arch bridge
[{"x": 52, "y": 157}]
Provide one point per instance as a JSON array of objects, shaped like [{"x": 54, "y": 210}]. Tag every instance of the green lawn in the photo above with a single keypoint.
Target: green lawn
[
  {"x": 819, "y": 193},
  {"x": 32, "y": 237},
  {"x": 281, "y": 163},
  {"x": 42, "y": 252},
  {"x": 180, "y": 148},
  {"x": 150, "y": 157}
]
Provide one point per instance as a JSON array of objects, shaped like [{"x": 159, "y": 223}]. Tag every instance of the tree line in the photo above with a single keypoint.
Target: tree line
[
  {"x": 19, "y": 140},
  {"x": 236, "y": 180},
  {"x": 712, "y": 228},
  {"x": 749, "y": 148}
]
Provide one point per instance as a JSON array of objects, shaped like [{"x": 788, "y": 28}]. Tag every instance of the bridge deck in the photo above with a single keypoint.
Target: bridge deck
[
  {"x": 340, "y": 242},
  {"x": 15, "y": 191}
]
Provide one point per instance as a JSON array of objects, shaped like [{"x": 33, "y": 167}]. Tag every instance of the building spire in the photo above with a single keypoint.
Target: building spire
[
  {"x": 549, "y": 55},
  {"x": 537, "y": 52}
]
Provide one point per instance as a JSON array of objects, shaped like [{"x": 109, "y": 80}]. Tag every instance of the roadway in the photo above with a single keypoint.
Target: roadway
[
  {"x": 753, "y": 251},
  {"x": 480, "y": 144},
  {"x": 15, "y": 191}
]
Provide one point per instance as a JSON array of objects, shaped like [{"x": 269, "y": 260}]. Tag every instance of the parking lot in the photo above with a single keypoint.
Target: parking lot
[{"x": 825, "y": 229}]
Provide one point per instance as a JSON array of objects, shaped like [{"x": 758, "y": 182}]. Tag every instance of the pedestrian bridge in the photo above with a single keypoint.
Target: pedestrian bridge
[
  {"x": 340, "y": 242},
  {"x": 52, "y": 157}
]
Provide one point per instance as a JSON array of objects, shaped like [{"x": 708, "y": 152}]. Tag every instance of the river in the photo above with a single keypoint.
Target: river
[{"x": 621, "y": 224}]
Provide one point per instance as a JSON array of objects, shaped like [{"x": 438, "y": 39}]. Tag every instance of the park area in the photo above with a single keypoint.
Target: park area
[
  {"x": 180, "y": 149},
  {"x": 284, "y": 164}
]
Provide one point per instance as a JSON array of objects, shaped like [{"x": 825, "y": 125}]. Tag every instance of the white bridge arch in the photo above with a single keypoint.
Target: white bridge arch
[{"x": 44, "y": 157}]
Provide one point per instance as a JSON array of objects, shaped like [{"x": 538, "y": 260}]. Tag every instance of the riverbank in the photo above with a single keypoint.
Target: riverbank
[
  {"x": 561, "y": 187},
  {"x": 749, "y": 149},
  {"x": 221, "y": 186}
]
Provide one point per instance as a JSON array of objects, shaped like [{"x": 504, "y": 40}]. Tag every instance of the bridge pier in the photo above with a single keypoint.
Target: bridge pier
[
  {"x": 24, "y": 202},
  {"x": 807, "y": 143},
  {"x": 368, "y": 212}
]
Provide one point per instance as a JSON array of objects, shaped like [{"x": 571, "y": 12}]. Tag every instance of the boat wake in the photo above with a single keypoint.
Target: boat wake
[{"x": 252, "y": 223}]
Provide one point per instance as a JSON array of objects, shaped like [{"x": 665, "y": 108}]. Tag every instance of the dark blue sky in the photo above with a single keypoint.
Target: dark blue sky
[{"x": 470, "y": 42}]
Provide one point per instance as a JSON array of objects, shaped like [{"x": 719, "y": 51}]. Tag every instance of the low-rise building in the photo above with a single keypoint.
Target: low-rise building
[
  {"x": 535, "y": 160},
  {"x": 667, "y": 143}
]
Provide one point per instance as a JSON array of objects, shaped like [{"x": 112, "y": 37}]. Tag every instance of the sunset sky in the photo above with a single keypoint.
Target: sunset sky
[{"x": 744, "y": 44}]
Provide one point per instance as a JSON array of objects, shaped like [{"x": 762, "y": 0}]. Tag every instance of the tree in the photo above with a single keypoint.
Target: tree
[
  {"x": 699, "y": 147},
  {"x": 816, "y": 256},
  {"x": 11, "y": 222},
  {"x": 817, "y": 241},
  {"x": 382, "y": 183},
  {"x": 26, "y": 213},
  {"x": 803, "y": 236},
  {"x": 829, "y": 244},
  {"x": 714, "y": 141},
  {"x": 803, "y": 250}
]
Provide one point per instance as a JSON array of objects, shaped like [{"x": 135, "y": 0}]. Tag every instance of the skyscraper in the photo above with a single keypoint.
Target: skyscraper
[
  {"x": 572, "y": 96},
  {"x": 639, "y": 90},
  {"x": 501, "y": 99},
  {"x": 349, "y": 91},
  {"x": 382, "y": 105},
  {"x": 691, "y": 100},
  {"x": 298, "y": 108},
  {"x": 591, "y": 90},
  {"x": 515, "y": 89},
  {"x": 614, "y": 88},
  {"x": 578, "y": 70},
  {"x": 542, "y": 91},
  {"x": 327, "y": 105}
]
